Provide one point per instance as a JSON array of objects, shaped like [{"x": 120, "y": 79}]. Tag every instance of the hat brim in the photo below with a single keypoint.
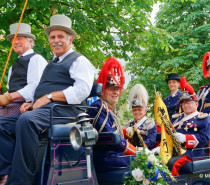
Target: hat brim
[
  {"x": 11, "y": 36},
  {"x": 59, "y": 27},
  {"x": 113, "y": 85},
  {"x": 137, "y": 106},
  {"x": 181, "y": 100},
  {"x": 177, "y": 79}
]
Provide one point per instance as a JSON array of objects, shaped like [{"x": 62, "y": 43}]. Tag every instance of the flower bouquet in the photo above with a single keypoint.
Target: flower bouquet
[{"x": 148, "y": 169}]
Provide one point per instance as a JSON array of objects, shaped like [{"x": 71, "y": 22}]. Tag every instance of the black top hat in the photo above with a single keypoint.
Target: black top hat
[{"x": 173, "y": 76}]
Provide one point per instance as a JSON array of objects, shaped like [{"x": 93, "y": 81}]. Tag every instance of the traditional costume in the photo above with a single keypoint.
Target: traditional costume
[
  {"x": 110, "y": 157},
  {"x": 193, "y": 131},
  {"x": 146, "y": 127}
]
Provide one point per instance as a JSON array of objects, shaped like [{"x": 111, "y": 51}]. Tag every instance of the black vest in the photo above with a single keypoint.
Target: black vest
[
  {"x": 56, "y": 76},
  {"x": 18, "y": 79}
]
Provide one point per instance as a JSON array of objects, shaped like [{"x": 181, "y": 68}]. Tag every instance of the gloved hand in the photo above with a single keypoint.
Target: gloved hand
[
  {"x": 139, "y": 150},
  {"x": 181, "y": 137},
  {"x": 129, "y": 130},
  {"x": 5, "y": 99},
  {"x": 156, "y": 150}
]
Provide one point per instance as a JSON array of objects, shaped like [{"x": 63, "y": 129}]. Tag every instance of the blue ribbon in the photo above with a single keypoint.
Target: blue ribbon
[
  {"x": 156, "y": 173},
  {"x": 164, "y": 175},
  {"x": 149, "y": 164}
]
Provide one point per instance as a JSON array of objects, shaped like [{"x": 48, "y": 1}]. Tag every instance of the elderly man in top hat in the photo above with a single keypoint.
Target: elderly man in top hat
[
  {"x": 68, "y": 79},
  {"x": 172, "y": 101},
  {"x": 146, "y": 127},
  {"x": 193, "y": 128},
  {"x": 204, "y": 92},
  {"x": 25, "y": 73}
]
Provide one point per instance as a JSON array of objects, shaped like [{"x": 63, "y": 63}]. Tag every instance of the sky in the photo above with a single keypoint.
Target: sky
[{"x": 154, "y": 11}]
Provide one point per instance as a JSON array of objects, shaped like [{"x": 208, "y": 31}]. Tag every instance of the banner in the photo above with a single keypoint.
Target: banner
[{"x": 161, "y": 115}]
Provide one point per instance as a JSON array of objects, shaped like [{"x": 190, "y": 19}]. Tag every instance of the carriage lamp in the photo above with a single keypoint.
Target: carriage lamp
[{"x": 84, "y": 135}]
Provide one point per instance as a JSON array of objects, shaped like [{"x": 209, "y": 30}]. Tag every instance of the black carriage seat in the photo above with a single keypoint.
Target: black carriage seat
[
  {"x": 55, "y": 151},
  {"x": 63, "y": 130},
  {"x": 197, "y": 165},
  {"x": 194, "y": 172},
  {"x": 115, "y": 176}
]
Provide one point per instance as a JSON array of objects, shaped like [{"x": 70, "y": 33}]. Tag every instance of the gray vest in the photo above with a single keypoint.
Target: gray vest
[
  {"x": 18, "y": 79},
  {"x": 56, "y": 76}
]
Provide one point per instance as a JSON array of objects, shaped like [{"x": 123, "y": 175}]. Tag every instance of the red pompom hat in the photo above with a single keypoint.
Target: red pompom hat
[
  {"x": 206, "y": 63},
  {"x": 111, "y": 74},
  {"x": 188, "y": 91}
]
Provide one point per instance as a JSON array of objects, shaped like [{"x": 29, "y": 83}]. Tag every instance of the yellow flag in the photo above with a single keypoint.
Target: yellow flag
[{"x": 166, "y": 144}]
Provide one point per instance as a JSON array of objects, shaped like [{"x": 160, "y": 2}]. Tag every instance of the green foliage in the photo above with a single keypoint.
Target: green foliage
[
  {"x": 95, "y": 22},
  {"x": 177, "y": 44},
  {"x": 127, "y": 116}
]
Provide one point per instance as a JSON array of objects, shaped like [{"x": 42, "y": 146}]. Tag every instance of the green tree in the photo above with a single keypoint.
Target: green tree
[
  {"x": 96, "y": 22},
  {"x": 176, "y": 44}
]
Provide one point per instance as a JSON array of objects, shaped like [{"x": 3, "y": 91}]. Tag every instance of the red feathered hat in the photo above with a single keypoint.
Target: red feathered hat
[
  {"x": 111, "y": 74},
  {"x": 206, "y": 63},
  {"x": 188, "y": 91}
]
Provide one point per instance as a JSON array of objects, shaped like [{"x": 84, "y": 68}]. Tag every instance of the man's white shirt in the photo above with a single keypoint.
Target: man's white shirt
[
  {"x": 35, "y": 69},
  {"x": 82, "y": 71}
]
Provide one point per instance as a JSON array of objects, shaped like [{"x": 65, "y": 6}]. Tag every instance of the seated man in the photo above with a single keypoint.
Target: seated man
[
  {"x": 68, "y": 79},
  {"x": 193, "y": 129},
  {"x": 106, "y": 120},
  {"x": 146, "y": 127},
  {"x": 25, "y": 74}
]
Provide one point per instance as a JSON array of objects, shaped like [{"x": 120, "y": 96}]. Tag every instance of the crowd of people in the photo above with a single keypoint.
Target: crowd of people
[{"x": 25, "y": 108}]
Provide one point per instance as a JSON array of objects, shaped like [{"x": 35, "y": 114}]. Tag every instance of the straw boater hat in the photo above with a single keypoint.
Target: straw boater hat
[
  {"x": 24, "y": 31},
  {"x": 60, "y": 22}
]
